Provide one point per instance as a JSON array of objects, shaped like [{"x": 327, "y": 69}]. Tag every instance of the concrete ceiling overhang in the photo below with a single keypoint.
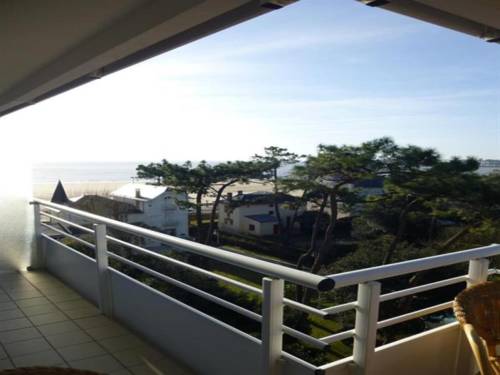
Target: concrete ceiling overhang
[
  {"x": 50, "y": 46},
  {"x": 479, "y": 18}
]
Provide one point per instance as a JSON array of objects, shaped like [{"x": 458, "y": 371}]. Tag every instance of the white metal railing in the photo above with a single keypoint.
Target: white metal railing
[{"x": 366, "y": 306}]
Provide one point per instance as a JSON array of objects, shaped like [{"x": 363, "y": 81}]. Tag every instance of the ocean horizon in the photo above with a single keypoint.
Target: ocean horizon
[
  {"x": 74, "y": 172},
  {"x": 43, "y": 173}
]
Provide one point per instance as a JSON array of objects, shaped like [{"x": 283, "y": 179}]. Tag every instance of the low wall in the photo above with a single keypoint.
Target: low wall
[
  {"x": 75, "y": 269},
  {"x": 433, "y": 352},
  {"x": 199, "y": 341}
]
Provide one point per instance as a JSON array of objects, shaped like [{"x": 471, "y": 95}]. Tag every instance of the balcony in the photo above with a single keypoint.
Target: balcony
[
  {"x": 190, "y": 338},
  {"x": 46, "y": 323}
]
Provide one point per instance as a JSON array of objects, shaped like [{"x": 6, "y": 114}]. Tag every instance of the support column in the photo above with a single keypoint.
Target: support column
[
  {"x": 36, "y": 258},
  {"x": 365, "y": 331},
  {"x": 272, "y": 325},
  {"x": 103, "y": 276},
  {"x": 478, "y": 271}
]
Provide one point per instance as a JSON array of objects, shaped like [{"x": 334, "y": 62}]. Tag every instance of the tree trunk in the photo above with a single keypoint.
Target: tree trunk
[
  {"x": 432, "y": 229},
  {"x": 218, "y": 197},
  {"x": 199, "y": 218},
  {"x": 276, "y": 204},
  {"x": 291, "y": 224},
  {"x": 400, "y": 232},
  {"x": 326, "y": 245},
  {"x": 450, "y": 241},
  {"x": 312, "y": 245}
]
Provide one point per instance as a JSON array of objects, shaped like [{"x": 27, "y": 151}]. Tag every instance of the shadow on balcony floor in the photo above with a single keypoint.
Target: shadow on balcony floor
[{"x": 45, "y": 323}]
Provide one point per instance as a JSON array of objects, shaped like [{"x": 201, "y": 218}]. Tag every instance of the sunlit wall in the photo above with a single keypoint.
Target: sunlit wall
[{"x": 16, "y": 217}]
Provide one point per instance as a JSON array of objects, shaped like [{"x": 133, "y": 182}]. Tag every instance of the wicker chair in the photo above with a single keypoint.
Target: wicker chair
[{"x": 478, "y": 311}]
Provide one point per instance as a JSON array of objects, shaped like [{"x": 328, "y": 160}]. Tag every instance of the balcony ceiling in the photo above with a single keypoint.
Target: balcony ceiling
[
  {"x": 480, "y": 18},
  {"x": 48, "y": 47}
]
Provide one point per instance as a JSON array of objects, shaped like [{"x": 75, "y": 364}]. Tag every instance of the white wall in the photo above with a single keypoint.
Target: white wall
[
  {"x": 161, "y": 212},
  {"x": 16, "y": 215},
  {"x": 430, "y": 353}
]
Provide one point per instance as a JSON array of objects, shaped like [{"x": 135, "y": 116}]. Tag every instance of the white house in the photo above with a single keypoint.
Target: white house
[
  {"x": 158, "y": 207},
  {"x": 151, "y": 206},
  {"x": 254, "y": 213}
]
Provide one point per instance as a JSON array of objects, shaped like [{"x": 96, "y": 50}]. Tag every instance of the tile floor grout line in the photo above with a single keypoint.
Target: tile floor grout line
[
  {"x": 3, "y": 347},
  {"x": 73, "y": 320},
  {"x": 93, "y": 340},
  {"x": 40, "y": 332}
]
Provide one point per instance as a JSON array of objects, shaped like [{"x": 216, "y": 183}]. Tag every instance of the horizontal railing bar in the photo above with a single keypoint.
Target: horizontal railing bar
[
  {"x": 340, "y": 308},
  {"x": 414, "y": 315},
  {"x": 86, "y": 243},
  {"x": 288, "y": 302},
  {"x": 422, "y": 288},
  {"x": 415, "y": 265},
  {"x": 305, "y": 338},
  {"x": 338, "y": 336},
  {"x": 222, "y": 302},
  {"x": 50, "y": 209},
  {"x": 304, "y": 308},
  {"x": 81, "y": 227},
  {"x": 299, "y": 277},
  {"x": 493, "y": 271}
]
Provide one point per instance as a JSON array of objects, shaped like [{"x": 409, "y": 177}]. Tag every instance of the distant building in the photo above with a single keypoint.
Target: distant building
[
  {"x": 254, "y": 214},
  {"x": 489, "y": 166},
  {"x": 139, "y": 204},
  {"x": 159, "y": 206},
  {"x": 106, "y": 207}
]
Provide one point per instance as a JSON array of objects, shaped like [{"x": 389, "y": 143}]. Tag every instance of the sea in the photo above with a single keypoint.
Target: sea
[
  {"x": 74, "y": 172},
  {"x": 84, "y": 172}
]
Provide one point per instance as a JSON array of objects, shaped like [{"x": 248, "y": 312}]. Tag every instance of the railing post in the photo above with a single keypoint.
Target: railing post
[
  {"x": 365, "y": 331},
  {"x": 36, "y": 258},
  {"x": 103, "y": 277},
  {"x": 272, "y": 325},
  {"x": 478, "y": 271}
]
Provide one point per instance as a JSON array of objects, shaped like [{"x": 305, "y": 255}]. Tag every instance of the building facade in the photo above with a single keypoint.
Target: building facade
[
  {"x": 254, "y": 213},
  {"x": 150, "y": 206}
]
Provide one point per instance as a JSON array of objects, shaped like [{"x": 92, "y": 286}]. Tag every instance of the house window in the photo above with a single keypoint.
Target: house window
[{"x": 251, "y": 227}]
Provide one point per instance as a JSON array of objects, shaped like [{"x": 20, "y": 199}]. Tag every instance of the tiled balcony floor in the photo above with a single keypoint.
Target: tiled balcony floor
[{"x": 45, "y": 323}]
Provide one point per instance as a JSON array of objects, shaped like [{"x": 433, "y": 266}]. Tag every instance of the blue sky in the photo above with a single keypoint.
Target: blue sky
[{"x": 318, "y": 71}]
